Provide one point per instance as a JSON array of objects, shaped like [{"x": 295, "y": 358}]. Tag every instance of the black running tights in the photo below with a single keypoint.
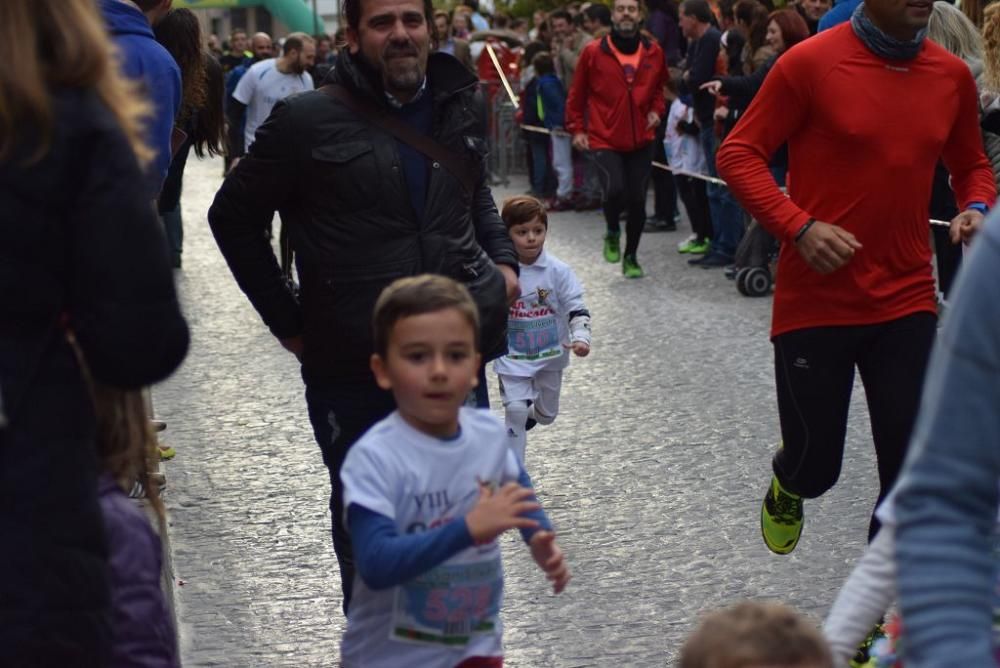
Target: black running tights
[
  {"x": 623, "y": 179},
  {"x": 814, "y": 375}
]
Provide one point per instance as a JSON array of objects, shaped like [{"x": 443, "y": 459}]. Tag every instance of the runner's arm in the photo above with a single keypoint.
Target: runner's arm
[
  {"x": 864, "y": 598},
  {"x": 963, "y": 154},
  {"x": 524, "y": 480},
  {"x": 659, "y": 98},
  {"x": 571, "y": 299},
  {"x": 743, "y": 159},
  {"x": 385, "y": 558}
]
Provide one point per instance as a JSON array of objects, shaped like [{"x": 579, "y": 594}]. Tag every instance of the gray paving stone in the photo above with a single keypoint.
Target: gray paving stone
[{"x": 653, "y": 472}]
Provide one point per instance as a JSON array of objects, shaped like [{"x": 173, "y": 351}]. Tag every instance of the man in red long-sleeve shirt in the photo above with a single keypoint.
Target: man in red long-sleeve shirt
[{"x": 867, "y": 109}]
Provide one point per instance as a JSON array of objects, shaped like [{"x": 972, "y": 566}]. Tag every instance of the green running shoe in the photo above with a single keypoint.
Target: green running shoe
[
  {"x": 702, "y": 248},
  {"x": 612, "y": 250},
  {"x": 695, "y": 247},
  {"x": 780, "y": 519},
  {"x": 631, "y": 268},
  {"x": 863, "y": 659}
]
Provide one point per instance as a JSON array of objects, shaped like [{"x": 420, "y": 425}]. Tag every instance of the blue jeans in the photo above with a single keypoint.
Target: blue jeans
[
  {"x": 727, "y": 216},
  {"x": 340, "y": 415},
  {"x": 538, "y": 145}
]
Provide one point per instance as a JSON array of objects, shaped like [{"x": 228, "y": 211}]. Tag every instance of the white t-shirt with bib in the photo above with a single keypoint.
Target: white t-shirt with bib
[
  {"x": 261, "y": 88},
  {"x": 538, "y": 322},
  {"x": 421, "y": 482}
]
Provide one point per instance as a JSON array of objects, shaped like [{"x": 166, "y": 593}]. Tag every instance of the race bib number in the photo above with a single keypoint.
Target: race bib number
[
  {"x": 533, "y": 339},
  {"x": 449, "y": 604}
]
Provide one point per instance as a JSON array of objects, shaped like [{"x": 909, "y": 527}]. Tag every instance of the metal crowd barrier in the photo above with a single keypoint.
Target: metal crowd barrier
[{"x": 507, "y": 147}]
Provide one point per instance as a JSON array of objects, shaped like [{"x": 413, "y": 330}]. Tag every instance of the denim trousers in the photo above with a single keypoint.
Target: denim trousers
[{"x": 727, "y": 216}]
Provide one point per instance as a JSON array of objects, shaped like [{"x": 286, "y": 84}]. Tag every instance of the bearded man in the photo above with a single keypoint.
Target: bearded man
[
  {"x": 365, "y": 204},
  {"x": 615, "y": 104},
  {"x": 264, "y": 84}
]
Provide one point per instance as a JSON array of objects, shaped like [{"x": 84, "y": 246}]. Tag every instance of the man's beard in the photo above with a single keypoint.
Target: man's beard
[
  {"x": 631, "y": 31},
  {"x": 398, "y": 75}
]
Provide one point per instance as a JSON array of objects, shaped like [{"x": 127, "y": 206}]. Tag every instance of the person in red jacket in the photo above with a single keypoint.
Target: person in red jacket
[
  {"x": 614, "y": 107},
  {"x": 867, "y": 109}
]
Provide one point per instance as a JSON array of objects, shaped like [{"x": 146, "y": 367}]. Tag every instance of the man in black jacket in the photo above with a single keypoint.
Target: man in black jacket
[{"x": 363, "y": 209}]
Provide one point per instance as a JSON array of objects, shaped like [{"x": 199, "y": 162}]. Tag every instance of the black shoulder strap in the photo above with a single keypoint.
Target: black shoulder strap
[{"x": 460, "y": 167}]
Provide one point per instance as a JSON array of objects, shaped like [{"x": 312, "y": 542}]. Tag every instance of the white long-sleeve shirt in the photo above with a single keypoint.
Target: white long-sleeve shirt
[{"x": 538, "y": 326}]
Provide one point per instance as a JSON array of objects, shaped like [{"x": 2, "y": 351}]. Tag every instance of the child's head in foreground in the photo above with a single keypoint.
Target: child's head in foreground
[
  {"x": 426, "y": 332},
  {"x": 755, "y": 635},
  {"x": 527, "y": 223}
]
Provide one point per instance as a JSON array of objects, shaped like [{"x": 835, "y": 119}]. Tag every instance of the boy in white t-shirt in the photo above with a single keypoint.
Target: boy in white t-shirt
[
  {"x": 428, "y": 491},
  {"x": 547, "y": 321}
]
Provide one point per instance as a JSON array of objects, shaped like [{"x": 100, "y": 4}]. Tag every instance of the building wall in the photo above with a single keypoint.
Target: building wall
[{"x": 257, "y": 19}]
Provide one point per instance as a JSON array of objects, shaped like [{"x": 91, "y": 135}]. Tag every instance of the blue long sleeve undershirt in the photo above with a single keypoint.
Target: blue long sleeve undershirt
[{"x": 386, "y": 558}]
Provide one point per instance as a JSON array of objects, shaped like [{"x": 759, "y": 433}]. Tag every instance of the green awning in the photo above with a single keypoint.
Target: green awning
[{"x": 295, "y": 14}]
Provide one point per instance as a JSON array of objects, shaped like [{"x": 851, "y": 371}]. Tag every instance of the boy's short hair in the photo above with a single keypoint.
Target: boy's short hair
[
  {"x": 543, "y": 64},
  {"x": 755, "y": 634},
  {"x": 418, "y": 295},
  {"x": 523, "y": 209}
]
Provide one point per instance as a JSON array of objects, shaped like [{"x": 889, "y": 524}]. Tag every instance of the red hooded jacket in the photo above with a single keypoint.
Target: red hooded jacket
[{"x": 602, "y": 104}]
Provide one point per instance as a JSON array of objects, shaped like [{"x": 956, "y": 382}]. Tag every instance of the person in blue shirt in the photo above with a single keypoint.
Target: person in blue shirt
[
  {"x": 143, "y": 59},
  {"x": 551, "y": 104},
  {"x": 946, "y": 500},
  {"x": 839, "y": 13}
]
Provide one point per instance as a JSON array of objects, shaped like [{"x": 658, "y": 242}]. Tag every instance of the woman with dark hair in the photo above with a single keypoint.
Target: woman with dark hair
[
  {"x": 82, "y": 262},
  {"x": 785, "y": 29},
  {"x": 751, "y": 19},
  {"x": 200, "y": 121}
]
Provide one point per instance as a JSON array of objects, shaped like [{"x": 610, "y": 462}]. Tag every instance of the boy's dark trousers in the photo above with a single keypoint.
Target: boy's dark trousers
[{"x": 340, "y": 414}]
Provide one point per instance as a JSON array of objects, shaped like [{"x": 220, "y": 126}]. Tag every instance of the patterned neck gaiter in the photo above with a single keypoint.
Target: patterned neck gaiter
[{"x": 883, "y": 45}]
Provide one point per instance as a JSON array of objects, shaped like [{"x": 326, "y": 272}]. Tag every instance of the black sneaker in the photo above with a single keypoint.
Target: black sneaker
[{"x": 715, "y": 260}]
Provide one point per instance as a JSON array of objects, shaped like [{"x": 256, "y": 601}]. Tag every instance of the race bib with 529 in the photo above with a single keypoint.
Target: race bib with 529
[{"x": 449, "y": 604}]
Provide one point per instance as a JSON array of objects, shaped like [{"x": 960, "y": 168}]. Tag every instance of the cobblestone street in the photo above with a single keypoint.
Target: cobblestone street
[{"x": 653, "y": 473}]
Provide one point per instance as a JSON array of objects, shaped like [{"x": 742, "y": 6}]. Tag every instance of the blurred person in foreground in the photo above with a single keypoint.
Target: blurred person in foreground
[
  {"x": 946, "y": 501},
  {"x": 753, "y": 634},
  {"x": 83, "y": 259}
]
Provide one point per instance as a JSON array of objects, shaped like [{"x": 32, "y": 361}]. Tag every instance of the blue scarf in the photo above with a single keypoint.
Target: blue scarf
[{"x": 883, "y": 45}]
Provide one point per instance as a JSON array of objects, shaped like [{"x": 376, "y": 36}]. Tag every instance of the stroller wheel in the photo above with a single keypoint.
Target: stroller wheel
[
  {"x": 741, "y": 277},
  {"x": 757, "y": 282}
]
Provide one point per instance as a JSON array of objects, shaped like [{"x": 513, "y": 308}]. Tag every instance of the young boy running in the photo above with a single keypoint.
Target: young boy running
[
  {"x": 428, "y": 490},
  {"x": 547, "y": 321}
]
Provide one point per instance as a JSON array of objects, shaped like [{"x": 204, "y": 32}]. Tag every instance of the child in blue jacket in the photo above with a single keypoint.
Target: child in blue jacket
[{"x": 551, "y": 107}]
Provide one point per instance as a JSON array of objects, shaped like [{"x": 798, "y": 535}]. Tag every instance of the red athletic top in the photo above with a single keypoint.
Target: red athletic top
[{"x": 864, "y": 135}]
